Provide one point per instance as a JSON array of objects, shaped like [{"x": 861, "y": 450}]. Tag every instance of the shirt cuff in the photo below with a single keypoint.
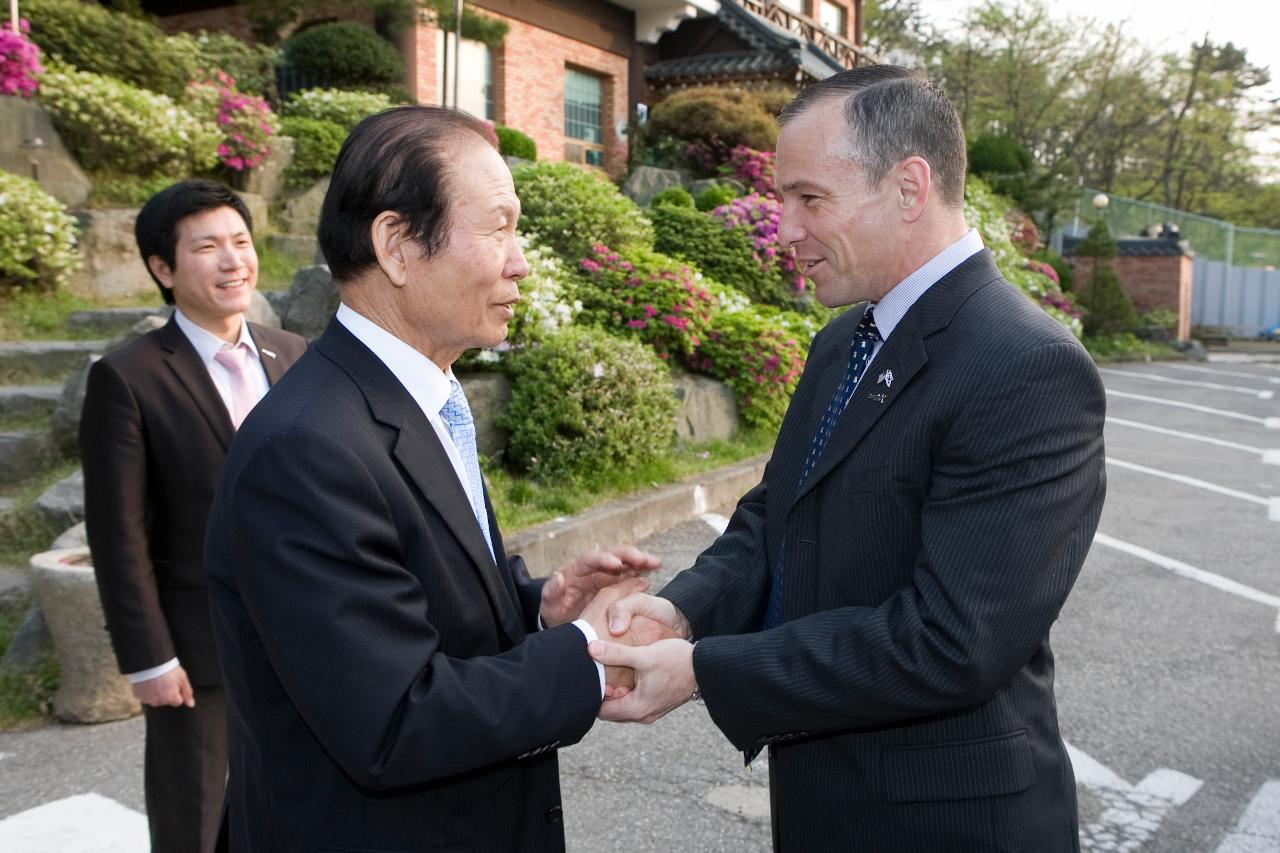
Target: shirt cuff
[
  {"x": 155, "y": 671},
  {"x": 590, "y": 633}
]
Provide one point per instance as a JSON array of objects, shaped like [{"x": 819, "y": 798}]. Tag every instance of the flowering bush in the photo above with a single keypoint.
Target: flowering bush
[
  {"x": 569, "y": 209},
  {"x": 714, "y": 120},
  {"x": 1022, "y": 231},
  {"x": 1045, "y": 270},
  {"x": 649, "y": 294},
  {"x": 760, "y": 216},
  {"x": 112, "y": 126},
  {"x": 252, "y": 66},
  {"x": 583, "y": 403},
  {"x": 546, "y": 304},
  {"x": 37, "y": 237},
  {"x": 19, "y": 62},
  {"x": 246, "y": 121},
  {"x": 726, "y": 254},
  {"x": 761, "y": 361},
  {"x": 336, "y": 105},
  {"x": 755, "y": 169}
]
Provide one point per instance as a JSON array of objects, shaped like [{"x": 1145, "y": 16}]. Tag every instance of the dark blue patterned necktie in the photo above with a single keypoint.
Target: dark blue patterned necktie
[{"x": 863, "y": 345}]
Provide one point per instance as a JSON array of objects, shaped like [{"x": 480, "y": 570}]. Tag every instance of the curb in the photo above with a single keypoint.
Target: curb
[{"x": 551, "y": 544}]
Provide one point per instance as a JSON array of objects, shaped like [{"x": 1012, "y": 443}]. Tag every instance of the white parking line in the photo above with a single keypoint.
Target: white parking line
[
  {"x": 715, "y": 521},
  {"x": 1258, "y": 830},
  {"x": 1269, "y": 423},
  {"x": 1191, "y": 481},
  {"x": 1207, "y": 439},
  {"x": 1215, "y": 386},
  {"x": 1239, "y": 374},
  {"x": 79, "y": 824},
  {"x": 1191, "y": 572}
]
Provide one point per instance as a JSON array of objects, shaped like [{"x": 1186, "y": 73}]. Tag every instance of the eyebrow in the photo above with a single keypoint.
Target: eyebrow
[
  {"x": 200, "y": 238},
  {"x": 802, "y": 184}
]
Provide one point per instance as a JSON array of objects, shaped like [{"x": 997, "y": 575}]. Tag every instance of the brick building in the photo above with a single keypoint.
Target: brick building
[{"x": 1155, "y": 272}]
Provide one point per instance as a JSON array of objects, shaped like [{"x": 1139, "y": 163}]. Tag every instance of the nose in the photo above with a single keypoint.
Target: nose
[
  {"x": 517, "y": 266},
  {"x": 790, "y": 231},
  {"x": 234, "y": 257}
]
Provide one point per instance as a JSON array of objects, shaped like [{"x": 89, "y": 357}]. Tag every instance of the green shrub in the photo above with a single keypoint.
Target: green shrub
[
  {"x": 1107, "y": 307},
  {"x": 253, "y": 67},
  {"x": 716, "y": 118},
  {"x": 125, "y": 190},
  {"x": 317, "y": 143},
  {"x": 998, "y": 154},
  {"x": 112, "y": 126},
  {"x": 515, "y": 143},
  {"x": 37, "y": 237},
  {"x": 774, "y": 98},
  {"x": 344, "y": 54},
  {"x": 584, "y": 403},
  {"x": 547, "y": 299},
  {"x": 725, "y": 254},
  {"x": 1160, "y": 318},
  {"x": 716, "y": 195},
  {"x": 671, "y": 197},
  {"x": 1060, "y": 265},
  {"x": 570, "y": 210},
  {"x": 94, "y": 39},
  {"x": 759, "y": 359},
  {"x": 342, "y": 107}
]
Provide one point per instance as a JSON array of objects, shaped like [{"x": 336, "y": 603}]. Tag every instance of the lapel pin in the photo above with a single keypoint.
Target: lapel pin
[
  {"x": 268, "y": 353},
  {"x": 886, "y": 378},
  {"x": 879, "y": 398}
]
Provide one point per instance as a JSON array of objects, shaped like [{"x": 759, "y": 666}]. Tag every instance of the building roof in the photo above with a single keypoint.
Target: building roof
[
  {"x": 1136, "y": 247},
  {"x": 774, "y": 51}
]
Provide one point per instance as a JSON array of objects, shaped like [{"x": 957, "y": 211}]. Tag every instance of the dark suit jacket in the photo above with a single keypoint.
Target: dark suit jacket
[
  {"x": 387, "y": 688},
  {"x": 153, "y": 436},
  {"x": 907, "y": 698}
]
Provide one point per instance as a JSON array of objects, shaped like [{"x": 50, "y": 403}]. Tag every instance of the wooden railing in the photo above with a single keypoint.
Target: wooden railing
[{"x": 845, "y": 52}]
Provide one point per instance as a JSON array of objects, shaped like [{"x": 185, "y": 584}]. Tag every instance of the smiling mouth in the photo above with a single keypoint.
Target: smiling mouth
[
  {"x": 229, "y": 285},
  {"x": 806, "y": 266}
]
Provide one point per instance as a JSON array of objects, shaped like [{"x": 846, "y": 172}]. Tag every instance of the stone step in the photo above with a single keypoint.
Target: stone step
[
  {"x": 24, "y": 362},
  {"x": 23, "y": 453},
  {"x": 109, "y": 322},
  {"x": 28, "y": 400}
]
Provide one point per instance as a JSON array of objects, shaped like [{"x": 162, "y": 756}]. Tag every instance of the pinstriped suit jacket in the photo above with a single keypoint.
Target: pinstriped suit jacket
[{"x": 907, "y": 698}]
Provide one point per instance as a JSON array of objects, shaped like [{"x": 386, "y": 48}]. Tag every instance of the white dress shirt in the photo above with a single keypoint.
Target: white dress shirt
[
  {"x": 207, "y": 345},
  {"x": 429, "y": 387}
]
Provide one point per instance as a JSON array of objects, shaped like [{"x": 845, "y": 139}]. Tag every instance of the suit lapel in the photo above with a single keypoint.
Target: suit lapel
[
  {"x": 423, "y": 458},
  {"x": 272, "y": 364},
  {"x": 182, "y": 359}
]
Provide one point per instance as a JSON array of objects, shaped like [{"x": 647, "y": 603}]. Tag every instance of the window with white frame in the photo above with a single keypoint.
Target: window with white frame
[
  {"x": 583, "y": 117},
  {"x": 832, "y": 17},
  {"x": 475, "y": 83}
]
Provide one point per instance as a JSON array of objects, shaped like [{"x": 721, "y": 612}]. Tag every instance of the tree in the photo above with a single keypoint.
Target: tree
[{"x": 1108, "y": 309}]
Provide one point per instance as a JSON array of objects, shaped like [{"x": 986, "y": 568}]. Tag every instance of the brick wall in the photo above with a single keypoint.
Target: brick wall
[
  {"x": 1150, "y": 282},
  {"x": 528, "y": 76}
]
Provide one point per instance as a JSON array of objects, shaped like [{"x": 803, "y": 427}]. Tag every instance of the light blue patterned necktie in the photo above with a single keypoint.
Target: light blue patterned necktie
[
  {"x": 457, "y": 417},
  {"x": 860, "y": 350}
]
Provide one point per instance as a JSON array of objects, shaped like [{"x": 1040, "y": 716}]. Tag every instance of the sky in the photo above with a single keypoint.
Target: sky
[{"x": 1173, "y": 25}]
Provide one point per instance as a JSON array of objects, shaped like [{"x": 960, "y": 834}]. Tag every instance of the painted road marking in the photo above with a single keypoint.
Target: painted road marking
[
  {"x": 1190, "y": 383},
  {"x": 1239, "y": 374},
  {"x": 1192, "y": 481},
  {"x": 86, "y": 823},
  {"x": 1258, "y": 830},
  {"x": 1191, "y": 436},
  {"x": 1133, "y": 813},
  {"x": 1269, "y": 423},
  {"x": 1188, "y": 571},
  {"x": 750, "y": 801},
  {"x": 715, "y": 521}
]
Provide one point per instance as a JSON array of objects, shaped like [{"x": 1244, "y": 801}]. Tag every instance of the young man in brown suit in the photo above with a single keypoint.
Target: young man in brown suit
[{"x": 159, "y": 416}]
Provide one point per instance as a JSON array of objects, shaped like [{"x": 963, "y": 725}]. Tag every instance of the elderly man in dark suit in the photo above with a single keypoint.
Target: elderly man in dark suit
[
  {"x": 877, "y": 613},
  {"x": 395, "y": 680},
  {"x": 159, "y": 415}
]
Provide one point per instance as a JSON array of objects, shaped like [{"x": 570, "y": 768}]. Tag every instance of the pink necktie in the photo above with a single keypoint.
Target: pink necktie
[{"x": 243, "y": 397}]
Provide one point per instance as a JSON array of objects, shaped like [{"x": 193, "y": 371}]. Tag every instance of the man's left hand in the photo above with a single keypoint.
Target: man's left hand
[
  {"x": 571, "y": 589},
  {"x": 664, "y": 679}
]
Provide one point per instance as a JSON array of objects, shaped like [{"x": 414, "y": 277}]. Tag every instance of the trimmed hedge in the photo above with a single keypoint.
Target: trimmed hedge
[
  {"x": 570, "y": 210},
  {"x": 717, "y": 118},
  {"x": 345, "y": 54},
  {"x": 516, "y": 143},
  {"x": 317, "y": 143},
  {"x": 37, "y": 237},
  {"x": 342, "y": 107}
]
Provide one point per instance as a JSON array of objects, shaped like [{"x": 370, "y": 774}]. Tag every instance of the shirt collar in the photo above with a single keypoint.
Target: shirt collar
[
  {"x": 894, "y": 306},
  {"x": 206, "y": 343},
  {"x": 421, "y": 377}
]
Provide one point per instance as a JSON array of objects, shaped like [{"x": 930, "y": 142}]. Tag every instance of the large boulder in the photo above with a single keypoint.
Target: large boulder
[
  {"x": 110, "y": 267},
  {"x": 302, "y": 212},
  {"x": 647, "y": 181},
  {"x": 303, "y": 248},
  {"x": 313, "y": 298},
  {"x": 26, "y": 135},
  {"x": 268, "y": 179},
  {"x": 73, "y": 537},
  {"x": 262, "y": 312},
  {"x": 65, "y": 422},
  {"x": 90, "y": 688},
  {"x": 257, "y": 206},
  {"x": 30, "y": 644},
  {"x": 708, "y": 410},
  {"x": 62, "y": 504}
]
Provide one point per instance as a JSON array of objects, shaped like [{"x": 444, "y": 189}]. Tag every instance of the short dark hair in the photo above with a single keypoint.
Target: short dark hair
[
  {"x": 894, "y": 113},
  {"x": 395, "y": 160},
  {"x": 156, "y": 229}
]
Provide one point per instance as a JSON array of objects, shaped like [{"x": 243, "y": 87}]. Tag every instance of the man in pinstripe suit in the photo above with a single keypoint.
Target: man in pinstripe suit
[{"x": 877, "y": 613}]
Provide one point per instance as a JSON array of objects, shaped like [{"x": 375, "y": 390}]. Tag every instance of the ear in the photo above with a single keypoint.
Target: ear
[
  {"x": 915, "y": 184},
  {"x": 161, "y": 270},
  {"x": 390, "y": 239}
]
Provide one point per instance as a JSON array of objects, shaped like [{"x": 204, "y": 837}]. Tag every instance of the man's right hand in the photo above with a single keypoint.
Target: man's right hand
[
  {"x": 172, "y": 689},
  {"x": 640, "y": 619}
]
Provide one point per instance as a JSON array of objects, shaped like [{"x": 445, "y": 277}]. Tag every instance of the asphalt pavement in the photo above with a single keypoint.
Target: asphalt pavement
[{"x": 1168, "y": 663}]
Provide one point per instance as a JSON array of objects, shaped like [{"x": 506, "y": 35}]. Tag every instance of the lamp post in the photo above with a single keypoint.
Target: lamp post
[{"x": 13, "y": 15}]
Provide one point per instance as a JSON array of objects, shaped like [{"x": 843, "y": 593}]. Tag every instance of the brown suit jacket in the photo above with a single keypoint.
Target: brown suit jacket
[{"x": 153, "y": 438}]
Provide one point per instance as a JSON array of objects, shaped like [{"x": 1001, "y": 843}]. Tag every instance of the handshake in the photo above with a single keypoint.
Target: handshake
[{"x": 643, "y": 640}]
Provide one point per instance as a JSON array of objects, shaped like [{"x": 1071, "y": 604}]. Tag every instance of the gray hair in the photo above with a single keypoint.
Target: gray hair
[{"x": 892, "y": 114}]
